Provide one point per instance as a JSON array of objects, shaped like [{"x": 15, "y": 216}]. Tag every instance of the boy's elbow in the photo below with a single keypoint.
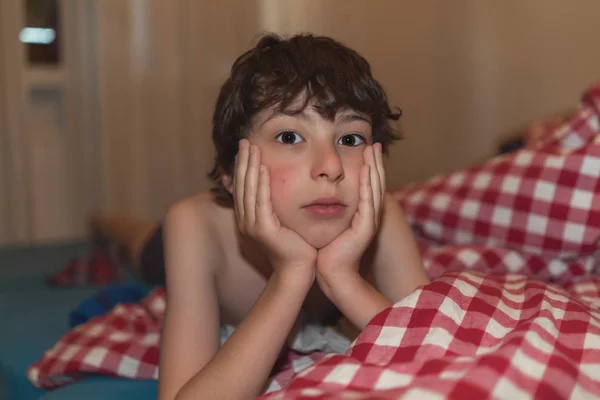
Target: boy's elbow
[{"x": 183, "y": 393}]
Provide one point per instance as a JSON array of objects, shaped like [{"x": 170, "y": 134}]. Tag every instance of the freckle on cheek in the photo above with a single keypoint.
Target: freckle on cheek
[{"x": 279, "y": 192}]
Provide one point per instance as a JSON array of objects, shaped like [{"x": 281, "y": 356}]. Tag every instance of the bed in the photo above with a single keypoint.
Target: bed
[
  {"x": 513, "y": 310},
  {"x": 34, "y": 316}
]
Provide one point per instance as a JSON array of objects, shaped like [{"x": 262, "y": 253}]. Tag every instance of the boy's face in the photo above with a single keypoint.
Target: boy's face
[{"x": 314, "y": 166}]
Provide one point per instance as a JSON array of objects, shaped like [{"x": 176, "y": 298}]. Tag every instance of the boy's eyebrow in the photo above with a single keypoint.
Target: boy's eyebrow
[
  {"x": 342, "y": 118},
  {"x": 349, "y": 117},
  {"x": 282, "y": 113}
]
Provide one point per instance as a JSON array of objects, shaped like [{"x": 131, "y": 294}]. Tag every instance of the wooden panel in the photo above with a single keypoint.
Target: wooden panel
[
  {"x": 15, "y": 189},
  {"x": 46, "y": 115},
  {"x": 161, "y": 65}
]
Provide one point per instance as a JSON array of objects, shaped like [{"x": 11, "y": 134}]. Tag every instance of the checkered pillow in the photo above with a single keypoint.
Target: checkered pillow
[
  {"x": 467, "y": 336},
  {"x": 540, "y": 133},
  {"x": 566, "y": 132},
  {"x": 544, "y": 202}
]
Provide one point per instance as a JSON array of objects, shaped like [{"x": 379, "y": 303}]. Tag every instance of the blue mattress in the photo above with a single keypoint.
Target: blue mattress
[{"x": 32, "y": 318}]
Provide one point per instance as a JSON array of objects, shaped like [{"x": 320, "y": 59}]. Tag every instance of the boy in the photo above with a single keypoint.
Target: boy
[{"x": 294, "y": 224}]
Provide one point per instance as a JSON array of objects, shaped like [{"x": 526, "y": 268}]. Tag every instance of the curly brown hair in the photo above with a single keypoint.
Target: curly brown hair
[{"x": 276, "y": 72}]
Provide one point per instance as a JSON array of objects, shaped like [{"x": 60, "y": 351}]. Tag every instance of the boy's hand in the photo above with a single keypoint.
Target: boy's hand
[
  {"x": 343, "y": 254},
  {"x": 256, "y": 218}
]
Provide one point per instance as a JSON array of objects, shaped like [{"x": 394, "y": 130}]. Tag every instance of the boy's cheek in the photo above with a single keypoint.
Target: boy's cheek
[
  {"x": 353, "y": 163},
  {"x": 352, "y": 172},
  {"x": 282, "y": 181}
]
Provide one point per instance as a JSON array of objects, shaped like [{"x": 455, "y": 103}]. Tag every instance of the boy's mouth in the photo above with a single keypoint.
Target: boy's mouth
[{"x": 326, "y": 207}]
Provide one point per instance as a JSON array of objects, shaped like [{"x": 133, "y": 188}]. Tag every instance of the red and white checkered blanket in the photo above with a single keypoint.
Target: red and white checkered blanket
[
  {"x": 513, "y": 246},
  {"x": 125, "y": 342},
  {"x": 469, "y": 336},
  {"x": 465, "y": 334}
]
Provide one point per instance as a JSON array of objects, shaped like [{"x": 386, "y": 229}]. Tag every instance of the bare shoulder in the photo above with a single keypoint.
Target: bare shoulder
[
  {"x": 198, "y": 213},
  {"x": 193, "y": 207},
  {"x": 192, "y": 226}
]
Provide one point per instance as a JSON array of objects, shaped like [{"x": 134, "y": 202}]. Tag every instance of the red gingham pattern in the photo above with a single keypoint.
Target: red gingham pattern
[
  {"x": 544, "y": 202},
  {"x": 466, "y": 336},
  {"x": 540, "y": 133},
  {"x": 497, "y": 260},
  {"x": 294, "y": 363},
  {"x": 568, "y": 133},
  {"x": 587, "y": 289},
  {"x": 96, "y": 268},
  {"x": 123, "y": 342}
]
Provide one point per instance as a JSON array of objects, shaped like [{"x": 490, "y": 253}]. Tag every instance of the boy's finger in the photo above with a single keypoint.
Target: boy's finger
[
  {"x": 365, "y": 203},
  {"x": 375, "y": 182},
  {"x": 251, "y": 188},
  {"x": 378, "y": 156},
  {"x": 239, "y": 177},
  {"x": 369, "y": 157},
  {"x": 380, "y": 167},
  {"x": 263, "y": 201}
]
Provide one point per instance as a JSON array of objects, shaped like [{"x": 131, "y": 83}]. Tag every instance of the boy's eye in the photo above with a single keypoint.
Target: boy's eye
[
  {"x": 289, "y": 137},
  {"x": 351, "y": 140}
]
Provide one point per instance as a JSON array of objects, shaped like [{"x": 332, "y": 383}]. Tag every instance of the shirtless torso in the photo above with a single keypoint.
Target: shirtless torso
[{"x": 243, "y": 271}]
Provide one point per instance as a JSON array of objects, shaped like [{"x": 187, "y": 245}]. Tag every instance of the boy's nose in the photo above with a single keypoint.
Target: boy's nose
[{"x": 328, "y": 165}]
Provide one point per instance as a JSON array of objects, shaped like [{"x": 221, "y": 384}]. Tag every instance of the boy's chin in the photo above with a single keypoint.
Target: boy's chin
[{"x": 319, "y": 238}]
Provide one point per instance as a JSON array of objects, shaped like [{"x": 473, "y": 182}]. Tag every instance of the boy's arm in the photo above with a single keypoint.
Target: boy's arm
[
  {"x": 397, "y": 269},
  {"x": 240, "y": 369},
  {"x": 192, "y": 366},
  {"x": 397, "y": 264},
  {"x": 190, "y": 334}
]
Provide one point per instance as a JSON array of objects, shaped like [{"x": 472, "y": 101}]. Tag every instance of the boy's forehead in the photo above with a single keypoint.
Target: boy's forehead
[{"x": 309, "y": 113}]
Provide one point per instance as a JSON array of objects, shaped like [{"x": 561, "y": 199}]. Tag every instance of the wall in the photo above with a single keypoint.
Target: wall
[
  {"x": 142, "y": 76},
  {"x": 15, "y": 221},
  {"x": 48, "y": 176},
  {"x": 160, "y": 68},
  {"x": 4, "y": 199},
  {"x": 466, "y": 73}
]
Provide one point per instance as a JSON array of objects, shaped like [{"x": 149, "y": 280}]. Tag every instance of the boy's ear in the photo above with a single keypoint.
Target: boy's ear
[{"x": 226, "y": 180}]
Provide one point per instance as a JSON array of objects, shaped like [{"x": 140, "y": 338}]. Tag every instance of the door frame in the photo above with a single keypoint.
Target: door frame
[
  {"x": 13, "y": 135},
  {"x": 77, "y": 78}
]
